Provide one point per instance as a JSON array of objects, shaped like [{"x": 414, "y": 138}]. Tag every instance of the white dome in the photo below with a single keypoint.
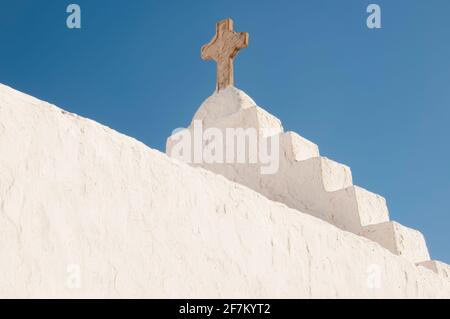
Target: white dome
[{"x": 223, "y": 103}]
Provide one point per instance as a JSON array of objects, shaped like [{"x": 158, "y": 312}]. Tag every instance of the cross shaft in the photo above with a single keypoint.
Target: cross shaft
[{"x": 223, "y": 48}]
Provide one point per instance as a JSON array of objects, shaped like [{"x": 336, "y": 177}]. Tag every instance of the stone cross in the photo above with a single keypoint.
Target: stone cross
[{"x": 223, "y": 48}]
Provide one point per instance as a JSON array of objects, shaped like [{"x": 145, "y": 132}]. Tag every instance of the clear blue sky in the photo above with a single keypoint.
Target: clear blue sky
[{"x": 376, "y": 100}]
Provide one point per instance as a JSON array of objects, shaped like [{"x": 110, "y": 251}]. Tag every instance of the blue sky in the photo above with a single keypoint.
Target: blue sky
[{"x": 376, "y": 100}]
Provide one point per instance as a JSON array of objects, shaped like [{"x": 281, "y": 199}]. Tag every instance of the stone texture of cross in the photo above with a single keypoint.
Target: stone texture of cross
[{"x": 223, "y": 48}]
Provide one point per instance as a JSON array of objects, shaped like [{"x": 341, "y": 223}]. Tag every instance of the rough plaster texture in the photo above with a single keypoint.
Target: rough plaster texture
[
  {"x": 437, "y": 267},
  {"x": 305, "y": 181},
  {"x": 139, "y": 224},
  {"x": 400, "y": 240},
  {"x": 218, "y": 106}
]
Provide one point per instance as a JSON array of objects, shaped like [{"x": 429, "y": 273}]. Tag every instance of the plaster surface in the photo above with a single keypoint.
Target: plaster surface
[{"x": 77, "y": 198}]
